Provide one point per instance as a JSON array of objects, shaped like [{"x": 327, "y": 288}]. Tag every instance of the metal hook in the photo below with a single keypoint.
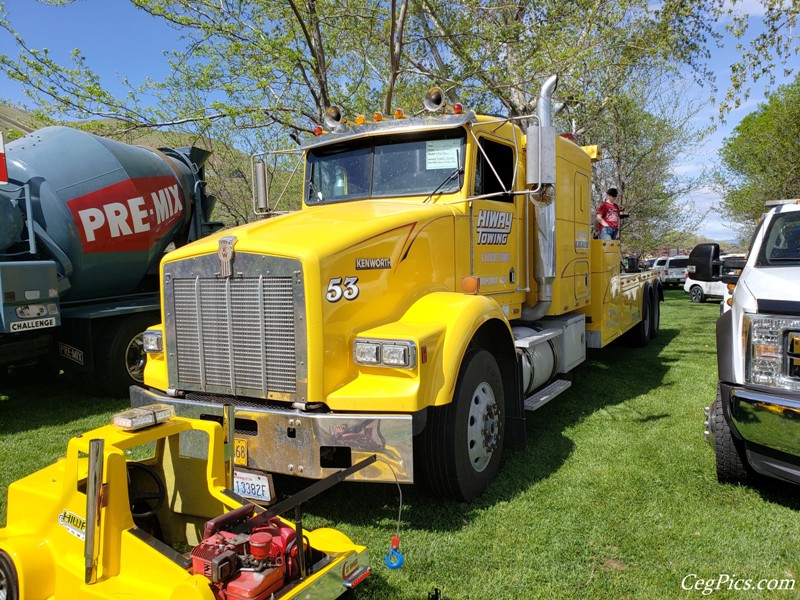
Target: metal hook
[{"x": 394, "y": 560}]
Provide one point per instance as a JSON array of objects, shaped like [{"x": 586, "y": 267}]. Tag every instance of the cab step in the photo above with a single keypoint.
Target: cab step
[{"x": 544, "y": 395}]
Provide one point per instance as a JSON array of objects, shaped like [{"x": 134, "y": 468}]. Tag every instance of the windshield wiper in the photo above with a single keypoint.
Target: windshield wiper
[
  {"x": 312, "y": 193},
  {"x": 456, "y": 172}
]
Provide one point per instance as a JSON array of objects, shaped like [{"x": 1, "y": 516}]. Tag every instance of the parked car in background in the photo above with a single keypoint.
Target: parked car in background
[
  {"x": 700, "y": 291},
  {"x": 648, "y": 263},
  {"x": 672, "y": 269}
]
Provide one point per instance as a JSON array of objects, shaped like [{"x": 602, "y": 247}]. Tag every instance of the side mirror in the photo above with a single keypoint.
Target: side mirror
[
  {"x": 732, "y": 269},
  {"x": 702, "y": 262}
]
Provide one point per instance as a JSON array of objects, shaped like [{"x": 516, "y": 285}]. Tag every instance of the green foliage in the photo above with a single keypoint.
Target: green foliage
[
  {"x": 642, "y": 133},
  {"x": 257, "y": 75},
  {"x": 774, "y": 47},
  {"x": 761, "y": 159}
]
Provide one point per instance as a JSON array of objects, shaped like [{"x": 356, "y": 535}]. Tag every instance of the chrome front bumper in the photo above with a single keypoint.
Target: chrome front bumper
[
  {"x": 766, "y": 419},
  {"x": 313, "y": 445}
]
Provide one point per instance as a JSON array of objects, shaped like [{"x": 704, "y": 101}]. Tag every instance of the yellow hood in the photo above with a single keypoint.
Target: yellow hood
[{"x": 319, "y": 231}]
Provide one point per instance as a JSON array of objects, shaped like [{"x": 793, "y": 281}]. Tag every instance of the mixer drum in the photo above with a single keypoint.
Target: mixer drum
[{"x": 111, "y": 208}]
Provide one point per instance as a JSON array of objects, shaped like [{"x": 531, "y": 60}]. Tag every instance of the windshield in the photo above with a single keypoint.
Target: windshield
[
  {"x": 781, "y": 245},
  {"x": 383, "y": 167}
]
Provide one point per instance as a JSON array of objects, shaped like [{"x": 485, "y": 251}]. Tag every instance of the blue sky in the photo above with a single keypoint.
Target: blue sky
[{"x": 118, "y": 40}]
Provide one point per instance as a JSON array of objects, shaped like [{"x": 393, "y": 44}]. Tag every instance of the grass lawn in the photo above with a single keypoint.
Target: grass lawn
[{"x": 614, "y": 496}]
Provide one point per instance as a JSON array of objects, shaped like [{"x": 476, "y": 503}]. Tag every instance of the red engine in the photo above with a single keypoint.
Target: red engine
[{"x": 247, "y": 566}]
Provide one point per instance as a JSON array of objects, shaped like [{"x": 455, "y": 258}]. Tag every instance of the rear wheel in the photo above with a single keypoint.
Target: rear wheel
[
  {"x": 731, "y": 460},
  {"x": 655, "y": 312},
  {"x": 9, "y": 585},
  {"x": 463, "y": 441},
  {"x": 121, "y": 359},
  {"x": 640, "y": 334},
  {"x": 696, "y": 294}
]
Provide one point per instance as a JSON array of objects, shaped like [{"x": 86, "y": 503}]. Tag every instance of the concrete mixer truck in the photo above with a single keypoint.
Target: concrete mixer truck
[{"x": 84, "y": 221}]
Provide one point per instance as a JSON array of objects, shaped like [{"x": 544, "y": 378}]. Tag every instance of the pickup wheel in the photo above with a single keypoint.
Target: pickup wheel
[
  {"x": 463, "y": 441},
  {"x": 121, "y": 359},
  {"x": 696, "y": 294},
  {"x": 731, "y": 460},
  {"x": 9, "y": 585}
]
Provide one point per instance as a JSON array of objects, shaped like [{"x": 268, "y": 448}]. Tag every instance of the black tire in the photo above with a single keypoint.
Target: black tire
[
  {"x": 640, "y": 334},
  {"x": 696, "y": 294},
  {"x": 463, "y": 441},
  {"x": 121, "y": 358},
  {"x": 731, "y": 460},
  {"x": 655, "y": 311},
  {"x": 9, "y": 582}
]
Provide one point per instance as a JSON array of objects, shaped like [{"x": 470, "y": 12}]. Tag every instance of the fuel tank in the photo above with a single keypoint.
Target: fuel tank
[{"x": 105, "y": 211}]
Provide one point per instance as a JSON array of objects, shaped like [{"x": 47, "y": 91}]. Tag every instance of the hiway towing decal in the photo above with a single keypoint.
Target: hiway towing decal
[{"x": 494, "y": 227}]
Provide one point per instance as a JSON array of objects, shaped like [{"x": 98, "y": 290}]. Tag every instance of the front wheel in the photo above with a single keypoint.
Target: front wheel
[
  {"x": 696, "y": 294},
  {"x": 463, "y": 441},
  {"x": 731, "y": 460}
]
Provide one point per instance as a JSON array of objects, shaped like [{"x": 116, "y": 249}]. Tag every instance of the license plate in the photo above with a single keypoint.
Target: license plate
[
  {"x": 253, "y": 485},
  {"x": 240, "y": 452}
]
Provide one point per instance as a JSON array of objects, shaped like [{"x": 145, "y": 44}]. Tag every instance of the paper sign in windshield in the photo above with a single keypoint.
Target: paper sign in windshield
[{"x": 442, "y": 154}]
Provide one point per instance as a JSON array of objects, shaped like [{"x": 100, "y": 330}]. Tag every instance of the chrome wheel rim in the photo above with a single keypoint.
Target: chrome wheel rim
[
  {"x": 483, "y": 426},
  {"x": 135, "y": 358}
]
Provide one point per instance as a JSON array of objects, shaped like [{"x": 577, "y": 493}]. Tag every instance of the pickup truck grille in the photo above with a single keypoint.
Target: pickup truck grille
[
  {"x": 793, "y": 355},
  {"x": 241, "y": 335}
]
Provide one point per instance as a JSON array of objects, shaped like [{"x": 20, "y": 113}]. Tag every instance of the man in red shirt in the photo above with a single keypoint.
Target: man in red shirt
[{"x": 607, "y": 216}]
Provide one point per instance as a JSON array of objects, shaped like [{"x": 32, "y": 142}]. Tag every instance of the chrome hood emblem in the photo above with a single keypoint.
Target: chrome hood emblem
[{"x": 225, "y": 252}]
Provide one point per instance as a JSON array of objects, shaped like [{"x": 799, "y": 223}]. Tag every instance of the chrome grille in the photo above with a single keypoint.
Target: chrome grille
[{"x": 237, "y": 335}]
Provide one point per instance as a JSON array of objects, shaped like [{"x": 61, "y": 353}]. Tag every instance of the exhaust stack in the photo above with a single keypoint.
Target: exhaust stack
[{"x": 541, "y": 173}]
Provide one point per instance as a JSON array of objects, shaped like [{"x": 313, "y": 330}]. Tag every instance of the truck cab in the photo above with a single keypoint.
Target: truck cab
[{"x": 754, "y": 424}]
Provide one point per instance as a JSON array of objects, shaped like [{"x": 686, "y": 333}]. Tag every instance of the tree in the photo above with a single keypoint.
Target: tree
[
  {"x": 260, "y": 73},
  {"x": 761, "y": 159},
  {"x": 641, "y": 136},
  {"x": 768, "y": 50}
]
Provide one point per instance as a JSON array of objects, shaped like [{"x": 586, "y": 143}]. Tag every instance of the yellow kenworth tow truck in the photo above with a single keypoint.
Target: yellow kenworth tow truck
[{"x": 438, "y": 280}]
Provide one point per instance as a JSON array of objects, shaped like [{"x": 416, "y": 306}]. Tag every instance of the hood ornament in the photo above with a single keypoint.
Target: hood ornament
[{"x": 225, "y": 252}]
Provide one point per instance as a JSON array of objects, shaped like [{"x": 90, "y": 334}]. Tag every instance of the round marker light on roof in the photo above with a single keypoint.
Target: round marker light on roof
[
  {"x": 377, "y": 117},
  {"x": 318, "y": 130},
  {"x": 360, "y": 120},
  {"x": 398, "y": 113},
  {"x": 458, "y": 108}
]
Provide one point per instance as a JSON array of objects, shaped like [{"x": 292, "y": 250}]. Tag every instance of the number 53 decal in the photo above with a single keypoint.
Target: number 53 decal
[{"x": 338, "y": 289}]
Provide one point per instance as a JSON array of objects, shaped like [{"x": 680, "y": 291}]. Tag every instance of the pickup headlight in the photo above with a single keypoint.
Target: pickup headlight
[
  {"x": 398, "y": 354},
  {"x": 772, "y": 351},
  {"x": 153, "y": 342}
]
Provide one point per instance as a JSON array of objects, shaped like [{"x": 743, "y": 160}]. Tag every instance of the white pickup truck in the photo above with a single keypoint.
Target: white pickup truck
[{"x": 754, "y": 424}]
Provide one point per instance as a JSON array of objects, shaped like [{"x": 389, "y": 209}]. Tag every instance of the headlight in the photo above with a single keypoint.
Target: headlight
[
  {"x": 153, "y": 342},
  {"x": 400, "y": 354},
  {"x": 772, "y": 351}
]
